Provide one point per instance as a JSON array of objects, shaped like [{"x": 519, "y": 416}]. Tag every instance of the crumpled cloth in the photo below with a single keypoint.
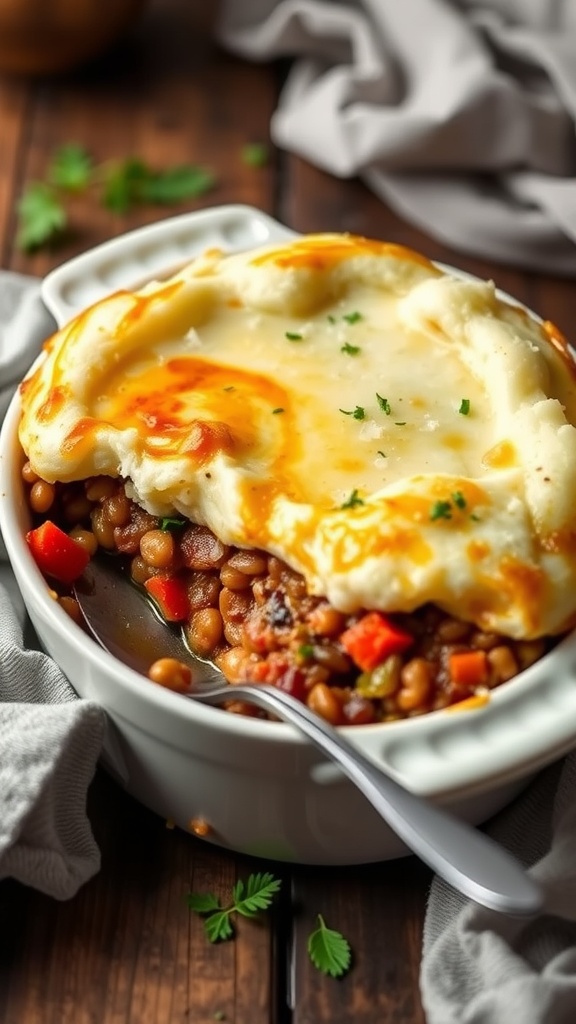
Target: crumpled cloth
[
  {"x": 480, "y": 967},
  {"x": 49, "y": 739},
  {"x": 459, "y": 114}
]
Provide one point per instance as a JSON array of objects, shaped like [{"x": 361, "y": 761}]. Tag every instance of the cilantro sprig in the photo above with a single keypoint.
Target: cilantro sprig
[
  {"x": 248, "y": 899},
  {"x": 120, "y": 185}
]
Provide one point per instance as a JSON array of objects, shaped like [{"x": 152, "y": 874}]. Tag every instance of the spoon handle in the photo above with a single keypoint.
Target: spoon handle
[{"x": 469, "y": 860}]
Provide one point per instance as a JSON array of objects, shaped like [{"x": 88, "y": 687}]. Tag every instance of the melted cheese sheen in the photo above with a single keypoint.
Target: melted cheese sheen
[{"x": 397, "y": 434}]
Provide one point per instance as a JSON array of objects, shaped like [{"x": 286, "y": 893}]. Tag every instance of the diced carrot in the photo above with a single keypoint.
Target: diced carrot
[
  {"x": 468, "y": 668},
  {"x": 56, "y": 554},
  {"x": 373, "y": 639},
  {"x": 171, "y": 596}
]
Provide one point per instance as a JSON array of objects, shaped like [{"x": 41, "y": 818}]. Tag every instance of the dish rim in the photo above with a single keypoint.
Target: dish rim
[{"x": 437, "y": 753}]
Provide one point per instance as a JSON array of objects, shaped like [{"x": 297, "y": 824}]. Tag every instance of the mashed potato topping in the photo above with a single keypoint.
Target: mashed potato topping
[{"x": 395, "y": 433}]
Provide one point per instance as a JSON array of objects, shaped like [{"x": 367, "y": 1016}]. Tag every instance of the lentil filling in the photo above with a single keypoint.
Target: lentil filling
[{"x": 252, "y": 616}]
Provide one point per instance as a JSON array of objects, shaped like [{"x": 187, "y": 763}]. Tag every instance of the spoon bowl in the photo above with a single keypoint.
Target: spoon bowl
[{"x": 123, "y": 621}]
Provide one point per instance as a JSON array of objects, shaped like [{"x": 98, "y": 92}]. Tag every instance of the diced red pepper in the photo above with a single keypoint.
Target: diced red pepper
[
  {"x": 56, "y": 553},
  {"x": 171, "y": 596},
  {"x": 373, "y": 639}
]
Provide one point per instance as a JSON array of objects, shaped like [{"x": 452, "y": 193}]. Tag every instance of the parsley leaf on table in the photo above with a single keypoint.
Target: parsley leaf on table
[
  {"x": 248, "y": 899},
  {"x": 133, "y": 181},
  {"x": 120, "y": 185},
  {"x": 41, "y": 217},
  {"x": 71, "y": 168},
  {"x": 123, "y": 183},
  {"x": 328, "y": 950},
  {"x": 177, "y": 183},
  {"x": 218, "y": 927},
  {"x": 203, "y": 902},
  {"x": 255, "y": 154},
  {"x": 258, "y": 895}
]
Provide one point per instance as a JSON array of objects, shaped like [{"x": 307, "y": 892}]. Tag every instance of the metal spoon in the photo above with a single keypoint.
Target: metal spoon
[{"x": 124, "y": 622}]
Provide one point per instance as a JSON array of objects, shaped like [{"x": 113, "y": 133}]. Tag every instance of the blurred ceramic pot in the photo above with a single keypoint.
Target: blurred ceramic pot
[{"x": 46, "y": 36}]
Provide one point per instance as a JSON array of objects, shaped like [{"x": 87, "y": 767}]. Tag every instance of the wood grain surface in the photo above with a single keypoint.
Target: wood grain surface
[{"x": 126, "y": 949}]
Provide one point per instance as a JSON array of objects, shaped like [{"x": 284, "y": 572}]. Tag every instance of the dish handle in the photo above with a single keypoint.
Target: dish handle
[{"x": 158, "y": 249}]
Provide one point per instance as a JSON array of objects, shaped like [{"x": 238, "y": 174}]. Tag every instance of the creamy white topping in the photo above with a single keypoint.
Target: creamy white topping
[{"x": 397, "y": 434}]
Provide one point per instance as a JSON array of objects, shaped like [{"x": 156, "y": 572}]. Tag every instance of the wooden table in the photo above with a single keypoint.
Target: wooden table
[{"x": 127, "y": 948}]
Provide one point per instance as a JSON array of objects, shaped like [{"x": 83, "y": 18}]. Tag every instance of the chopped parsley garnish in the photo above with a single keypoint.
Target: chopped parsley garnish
[
  {"x": 399, "y": 423},
  {"x": 171, "y": 523},
  {"x": 293, "y": 336},
  {"x": 353, "y": 501},
  {"x": 306, "y": 651},
  {"x": 444, "y": 509},
  {"x": 229, "y": 388},
  {"x": 350, "y": 350},
  {"x": 464, "y": 407},
  {"x": 383, "y": 454},
  {"x": 384, "y": 404},
  {"x": 358, "y": 413},
  {"x": 441, "y": 510},
  {"x": 350, "y": 318},
  {"x": 279, "y": 409}
]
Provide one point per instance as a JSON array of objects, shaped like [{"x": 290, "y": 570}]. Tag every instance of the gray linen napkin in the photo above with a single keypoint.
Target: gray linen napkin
[
  {"x": 49, "y": 739},
  {"x": 460, "y": 114},
  {"x": 479, "y": 967}
]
